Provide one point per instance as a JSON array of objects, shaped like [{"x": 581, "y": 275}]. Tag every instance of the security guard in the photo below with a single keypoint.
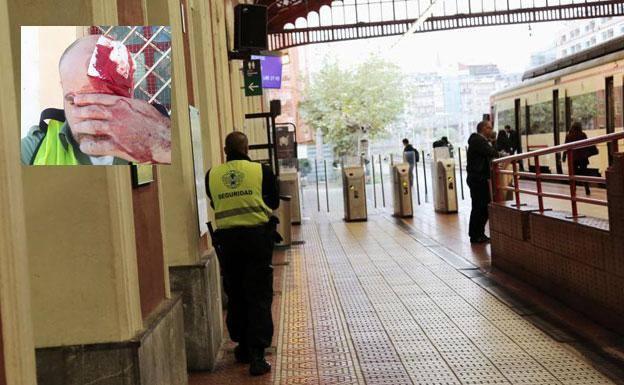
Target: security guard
[{"x": 243, "y": 194}]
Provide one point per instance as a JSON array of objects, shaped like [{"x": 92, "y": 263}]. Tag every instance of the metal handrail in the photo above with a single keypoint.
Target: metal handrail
[{"x": 569, "y": 148}]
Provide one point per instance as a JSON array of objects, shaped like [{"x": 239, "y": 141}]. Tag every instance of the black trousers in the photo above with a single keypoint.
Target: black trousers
[
  {"x": 480, "y": 195},
  {"x": 246, "y": 255},
  {"x": 580, "y": 168}
]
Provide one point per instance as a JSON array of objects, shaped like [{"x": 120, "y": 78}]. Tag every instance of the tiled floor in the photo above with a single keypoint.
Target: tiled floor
[{"x": 368, "y": 303}]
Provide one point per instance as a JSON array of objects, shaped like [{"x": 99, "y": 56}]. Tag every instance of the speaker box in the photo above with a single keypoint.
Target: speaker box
[
  {"x": 276, "y": 107},
  {"x": 250, "y": 27}
]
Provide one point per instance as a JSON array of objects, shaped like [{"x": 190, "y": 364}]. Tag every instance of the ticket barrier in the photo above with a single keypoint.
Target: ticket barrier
[
  {"x": 354, "y": 193},
  {"x": 289, "y": 185},
  {"x": 284, "y": 228},
  {"x": 444, "y": 183},
  {"x": 401, "y": 191}
]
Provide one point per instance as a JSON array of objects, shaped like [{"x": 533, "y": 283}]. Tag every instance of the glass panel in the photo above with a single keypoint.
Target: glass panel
[
  {"x": 617, "y": 100},
  {"x": 562, "y": 121},
  {"x": 541, "y": 118},
  {"x": 601, "y": 106},
  {"x": 523, "y": 130},
  {"x": 505, "y": 117},
  {"x": 585, "y": 110}
]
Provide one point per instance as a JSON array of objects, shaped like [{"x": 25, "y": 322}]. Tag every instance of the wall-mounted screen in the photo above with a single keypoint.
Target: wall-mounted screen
[{"x": 271, "y": 69}]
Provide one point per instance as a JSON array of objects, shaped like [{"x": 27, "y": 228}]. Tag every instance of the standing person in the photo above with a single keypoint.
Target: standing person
[
  {"x": 243, "y": 194},
  {"x": 505, "y": 141},
  {"x": 515, "y": 141},
  {"x": 410, "y": 154},
  {"x": 581, "y": 155},
  {"x": 480, "y": 154}
]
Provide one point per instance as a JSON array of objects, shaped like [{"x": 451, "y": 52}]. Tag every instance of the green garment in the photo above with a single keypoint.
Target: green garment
[
  {"x": 236, "y": 190},
  {"x": 58, "y": 149}
]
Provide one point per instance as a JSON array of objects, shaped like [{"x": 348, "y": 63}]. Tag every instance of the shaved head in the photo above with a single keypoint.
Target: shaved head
[
  {"x": 84, "y": 45},
  {"x": 236, "y": 143}
]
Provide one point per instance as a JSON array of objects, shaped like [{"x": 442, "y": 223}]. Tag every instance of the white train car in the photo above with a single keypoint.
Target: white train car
[{"x": 585, "y": 87}]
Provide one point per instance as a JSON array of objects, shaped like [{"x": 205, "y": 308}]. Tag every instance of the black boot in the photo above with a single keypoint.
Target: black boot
[
  {"x": 259, "y": 365},
  {"x": 242, "y": 355}
]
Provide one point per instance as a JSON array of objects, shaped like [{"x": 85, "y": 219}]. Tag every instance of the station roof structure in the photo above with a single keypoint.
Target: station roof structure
[{"x": 299, "y": 22}]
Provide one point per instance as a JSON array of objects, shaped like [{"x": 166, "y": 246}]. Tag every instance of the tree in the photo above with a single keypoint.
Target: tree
[{"x": 340, "y": 102}]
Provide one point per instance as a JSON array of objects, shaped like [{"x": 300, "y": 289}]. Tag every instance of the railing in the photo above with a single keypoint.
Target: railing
[{"x": 499, "y": 165}]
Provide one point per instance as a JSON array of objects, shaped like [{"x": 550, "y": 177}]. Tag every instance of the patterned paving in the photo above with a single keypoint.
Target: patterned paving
[{"x": 366, "y": 303}]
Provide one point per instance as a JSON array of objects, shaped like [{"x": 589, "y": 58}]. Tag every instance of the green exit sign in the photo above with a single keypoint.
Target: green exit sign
[{"x": 253, "y": 78}]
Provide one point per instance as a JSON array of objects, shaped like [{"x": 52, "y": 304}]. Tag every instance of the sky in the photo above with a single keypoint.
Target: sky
[{"x": 510, "y": 47}]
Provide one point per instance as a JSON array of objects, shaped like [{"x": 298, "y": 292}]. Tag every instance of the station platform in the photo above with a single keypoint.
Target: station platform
[{"x": 405, "y": 301}]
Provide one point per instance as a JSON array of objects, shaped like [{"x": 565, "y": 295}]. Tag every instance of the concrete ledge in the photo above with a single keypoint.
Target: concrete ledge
[
  {"x": 575, "y": 261},
  {"x": 584, "y": 243},
  {"x": 203, "y": 318},
  {"x": 510, "y": 221},
  {"x": 154, "y": 357}
]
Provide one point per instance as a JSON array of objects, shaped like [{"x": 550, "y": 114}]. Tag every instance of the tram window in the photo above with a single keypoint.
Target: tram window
[
  {"x": 505, "y": 117},
  {"x": 601, "y": 108},
  {"x": 523, "y": 130},
  {"x": 541, "y": 118},
  {"x": 584, "y": 108},
  {"x": 617, "y": 101},
  {"x": 562, "y": 118}
]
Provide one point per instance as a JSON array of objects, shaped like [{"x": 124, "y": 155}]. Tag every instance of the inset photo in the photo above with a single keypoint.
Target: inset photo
[{"x": 95, "y": 95}]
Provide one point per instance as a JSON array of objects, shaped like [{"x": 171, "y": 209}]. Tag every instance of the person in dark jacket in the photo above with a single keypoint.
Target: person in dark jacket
[
  {"x": 412, "y": 157},
  {"x": 506, "y": 141},
  {"x": 480, "y": 154},
  {"x": 515, "y": 141},
  {"x": 581, "y": 155},
  {"x": 243, "y": 194}
]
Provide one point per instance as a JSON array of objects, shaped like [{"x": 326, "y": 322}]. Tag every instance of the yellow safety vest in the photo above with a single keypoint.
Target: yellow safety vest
[
  {"x": 236, "y": 190},
  {"x": 52, "y": 151}
]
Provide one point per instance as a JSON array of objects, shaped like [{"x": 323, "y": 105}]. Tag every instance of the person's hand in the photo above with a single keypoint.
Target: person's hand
[{"x": 126, "y": 128}]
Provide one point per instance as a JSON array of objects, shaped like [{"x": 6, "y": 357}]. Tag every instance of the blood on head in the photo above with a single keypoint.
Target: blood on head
[{"x": 110, "y": 71}]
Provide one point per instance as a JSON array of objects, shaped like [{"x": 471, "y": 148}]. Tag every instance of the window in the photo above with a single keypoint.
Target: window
[
  {"x": 541, "y": 118},
  {"x": 522, "y": 119},
  {"x": 585, "y": 109},
  {"x": 617, "y": 101},
  {"x": 564, "y": 52},
  {"x": 562, "y": 118},
  {"x": 610, "y": 33},
  {"x": 506, "y": 117}
]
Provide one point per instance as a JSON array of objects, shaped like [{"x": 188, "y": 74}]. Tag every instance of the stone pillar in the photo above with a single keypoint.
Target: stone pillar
[
  {"x": 17, "y": 351},
  {"x": 84, "y": 279},
  {"x": 194, "y": 274}
]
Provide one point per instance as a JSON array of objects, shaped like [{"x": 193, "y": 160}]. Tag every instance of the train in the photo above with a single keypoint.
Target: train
[{"x": 585, "y": 87}]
